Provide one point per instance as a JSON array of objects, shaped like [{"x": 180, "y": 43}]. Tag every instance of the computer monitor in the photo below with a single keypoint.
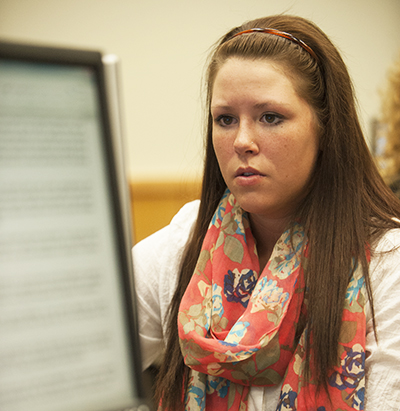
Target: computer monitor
[{"x": 68, "y": 326}]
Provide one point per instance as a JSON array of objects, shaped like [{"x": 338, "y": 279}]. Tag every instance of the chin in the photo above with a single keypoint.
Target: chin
[
  {"x": 266, "y": 210},
  {"x": 255, "y": 208}
]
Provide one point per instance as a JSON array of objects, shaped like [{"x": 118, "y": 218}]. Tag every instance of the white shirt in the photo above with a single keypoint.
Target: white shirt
[{"x": 156, "y": 265}]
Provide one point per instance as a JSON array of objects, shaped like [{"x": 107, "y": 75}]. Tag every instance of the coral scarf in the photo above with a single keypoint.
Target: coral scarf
[{"x": 238, "y": 327}]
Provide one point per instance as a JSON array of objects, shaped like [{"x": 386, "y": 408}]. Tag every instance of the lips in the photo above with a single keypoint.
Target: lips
[
  {"x": 247, "y": 172},
  {"x": 248, "y": 177}
]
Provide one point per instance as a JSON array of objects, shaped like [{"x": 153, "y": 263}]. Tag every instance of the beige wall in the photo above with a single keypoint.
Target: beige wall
[{"x": 163, "y": 46}]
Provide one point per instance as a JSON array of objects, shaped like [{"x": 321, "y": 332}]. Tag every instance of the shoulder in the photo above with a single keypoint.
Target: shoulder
[
  {"x": 385, "y": 261},
  {"x": 175, "y": 234},
  {"x": 389, "y": 241},
  {"x": 186, "y": 217},
  {"x": 156, "y": 259}
]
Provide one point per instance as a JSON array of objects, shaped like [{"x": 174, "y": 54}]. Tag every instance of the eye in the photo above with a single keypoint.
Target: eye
[
  {"x": 271, "y": 118},
  {"x": 225, "y": 120}
]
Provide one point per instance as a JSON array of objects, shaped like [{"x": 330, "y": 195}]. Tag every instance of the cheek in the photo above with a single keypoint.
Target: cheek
[
  {"x": 221, "y": 147},
  {"x": 296, "y": 159},
  {"x": 304, "y": 166}
]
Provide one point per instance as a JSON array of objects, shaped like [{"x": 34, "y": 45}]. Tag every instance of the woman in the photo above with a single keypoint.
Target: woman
[{"x": 264, "y": 290}]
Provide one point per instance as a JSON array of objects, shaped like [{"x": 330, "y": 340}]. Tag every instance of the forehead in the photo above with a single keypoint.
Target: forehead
[{"x": 241, "y": 77}]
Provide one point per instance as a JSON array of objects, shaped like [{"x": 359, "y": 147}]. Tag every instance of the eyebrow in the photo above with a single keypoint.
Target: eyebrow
[{"x": 258, "y": 106}]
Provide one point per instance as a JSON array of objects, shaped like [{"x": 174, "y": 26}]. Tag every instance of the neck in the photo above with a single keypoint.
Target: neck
[{"x": 266, "y": 233}]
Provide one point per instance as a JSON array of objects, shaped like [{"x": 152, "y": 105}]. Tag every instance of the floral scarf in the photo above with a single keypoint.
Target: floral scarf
[{"x": 239, "y": 327}]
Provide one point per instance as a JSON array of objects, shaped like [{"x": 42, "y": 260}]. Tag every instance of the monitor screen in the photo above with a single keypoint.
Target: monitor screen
[{"x": 67, "y": 332}]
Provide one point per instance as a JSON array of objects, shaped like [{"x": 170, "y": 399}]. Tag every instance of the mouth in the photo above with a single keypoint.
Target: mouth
[{"x": 247, "y": 172}]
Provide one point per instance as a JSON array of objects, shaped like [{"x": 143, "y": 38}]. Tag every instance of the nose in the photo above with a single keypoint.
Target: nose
[{"x": 245, "y": 140}]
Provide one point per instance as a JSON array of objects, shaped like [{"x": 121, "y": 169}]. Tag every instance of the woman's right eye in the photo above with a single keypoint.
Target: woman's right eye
[{"x": 224, "y": 120}]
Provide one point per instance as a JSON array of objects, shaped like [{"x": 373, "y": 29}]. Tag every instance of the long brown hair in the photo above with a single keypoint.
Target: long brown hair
[{"x": 348, "y": 205}]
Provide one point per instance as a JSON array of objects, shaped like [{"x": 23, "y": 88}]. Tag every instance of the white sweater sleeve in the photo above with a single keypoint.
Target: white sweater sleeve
[
  {"x": 383, "y": 358},
  {"x": 156, "y": 261}
]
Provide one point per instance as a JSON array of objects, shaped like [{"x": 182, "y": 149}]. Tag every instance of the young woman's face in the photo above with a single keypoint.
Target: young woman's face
[{"x": 264, "y": 136}]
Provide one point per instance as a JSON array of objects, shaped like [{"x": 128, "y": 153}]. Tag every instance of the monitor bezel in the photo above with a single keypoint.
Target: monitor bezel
[{"x": 117, "y": 184}]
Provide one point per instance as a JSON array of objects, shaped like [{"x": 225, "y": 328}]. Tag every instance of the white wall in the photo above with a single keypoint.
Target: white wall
[{"x": 163, "y": 45}]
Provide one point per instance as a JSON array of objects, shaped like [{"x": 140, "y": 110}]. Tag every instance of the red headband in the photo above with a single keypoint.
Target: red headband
[{"x": 280, "y": 34}]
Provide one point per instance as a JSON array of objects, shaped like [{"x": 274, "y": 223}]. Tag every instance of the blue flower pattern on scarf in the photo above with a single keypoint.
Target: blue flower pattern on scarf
[
  {"x": 352, "y": 376},
  {"x": 287, "y": 400},
  {"x": 239, "y": 286}
]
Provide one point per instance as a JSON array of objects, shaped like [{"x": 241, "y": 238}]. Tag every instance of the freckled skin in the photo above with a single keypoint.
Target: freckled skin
[{"x": 264, "y": 136}]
